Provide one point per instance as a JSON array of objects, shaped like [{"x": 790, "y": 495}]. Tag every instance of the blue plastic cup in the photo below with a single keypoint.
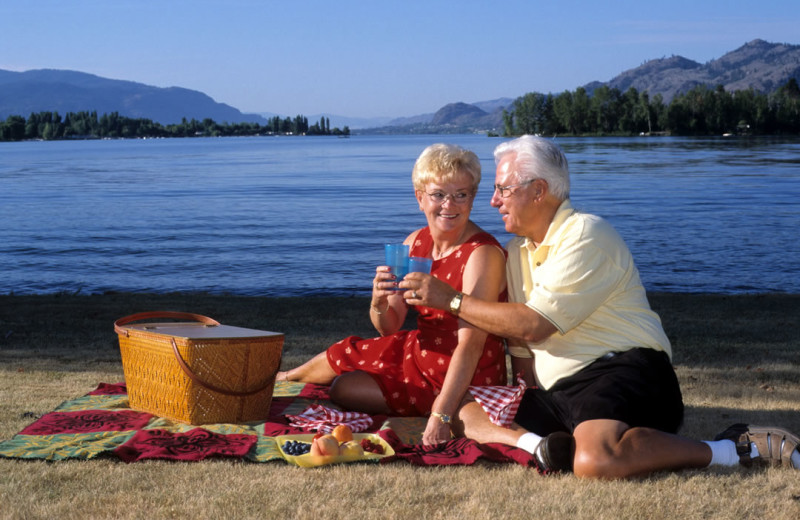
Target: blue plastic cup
[
  {"x": 397, "y": 259},
  {"x": 419, "y": 264}
]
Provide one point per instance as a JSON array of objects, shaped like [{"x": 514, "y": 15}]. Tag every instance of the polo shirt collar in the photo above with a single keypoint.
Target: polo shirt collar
[{"x": 562, "y": 214}]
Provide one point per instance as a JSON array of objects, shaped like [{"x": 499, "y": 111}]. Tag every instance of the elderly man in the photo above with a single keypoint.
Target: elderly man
[{"x": 606, "y": 402}]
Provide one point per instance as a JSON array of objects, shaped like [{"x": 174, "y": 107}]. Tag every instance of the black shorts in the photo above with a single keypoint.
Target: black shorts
[{"x": 637, "y": 387}]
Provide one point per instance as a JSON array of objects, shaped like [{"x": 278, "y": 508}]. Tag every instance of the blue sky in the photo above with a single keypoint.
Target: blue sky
[{"x": 375, "y": 58}]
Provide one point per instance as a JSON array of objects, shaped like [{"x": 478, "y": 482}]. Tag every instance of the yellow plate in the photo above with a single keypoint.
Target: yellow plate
[{"x": 313, "y": 461}]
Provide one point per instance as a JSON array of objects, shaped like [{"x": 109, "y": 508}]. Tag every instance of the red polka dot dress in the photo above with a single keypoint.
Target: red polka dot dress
[{"x": 410, "y": 366}]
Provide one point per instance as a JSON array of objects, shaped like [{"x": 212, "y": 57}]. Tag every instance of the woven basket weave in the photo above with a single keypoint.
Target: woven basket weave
[{"x": 198, "y": 372}]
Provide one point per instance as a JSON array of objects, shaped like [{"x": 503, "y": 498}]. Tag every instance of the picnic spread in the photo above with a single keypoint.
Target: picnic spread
[{"x": 198, "y": 389}]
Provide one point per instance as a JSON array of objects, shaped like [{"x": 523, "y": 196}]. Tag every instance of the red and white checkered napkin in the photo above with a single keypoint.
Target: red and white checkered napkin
[
  {"x": 324, "y": 419},
  {"x": 500, "y": 402}
]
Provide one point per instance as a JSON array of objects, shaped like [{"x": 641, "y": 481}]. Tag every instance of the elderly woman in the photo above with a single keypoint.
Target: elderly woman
[{"x": 427, "y": 370}]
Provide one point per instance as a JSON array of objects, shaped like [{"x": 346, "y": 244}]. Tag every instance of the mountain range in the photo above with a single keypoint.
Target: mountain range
[
  {"x": 758, "y": 64},
  {"x": 47, "y": 90}
]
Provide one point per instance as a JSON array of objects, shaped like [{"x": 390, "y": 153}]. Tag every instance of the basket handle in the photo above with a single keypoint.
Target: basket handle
[
  {"x": 194, "y": 377},
  {"x": 118, "y": 325}
]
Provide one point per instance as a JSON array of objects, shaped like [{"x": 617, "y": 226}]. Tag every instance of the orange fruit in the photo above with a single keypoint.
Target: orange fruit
[{"x": 343, "y": 433}]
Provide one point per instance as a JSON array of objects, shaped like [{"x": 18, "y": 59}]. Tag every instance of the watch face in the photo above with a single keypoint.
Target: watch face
[{"x": 455, "y": 303}]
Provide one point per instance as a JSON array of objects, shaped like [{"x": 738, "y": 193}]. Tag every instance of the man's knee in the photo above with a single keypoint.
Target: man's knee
[
  {"x": 601, "y": 464},
  {"x": 599, "y": 452}
]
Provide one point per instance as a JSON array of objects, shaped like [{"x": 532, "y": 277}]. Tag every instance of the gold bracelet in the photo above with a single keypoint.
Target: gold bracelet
[
  {"x": 376, "y": 309},
  {"x": 443, "y": 417}
]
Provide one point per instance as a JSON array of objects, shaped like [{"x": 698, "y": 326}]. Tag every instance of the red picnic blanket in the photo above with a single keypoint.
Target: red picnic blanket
[{"x": 100, "y": 423}]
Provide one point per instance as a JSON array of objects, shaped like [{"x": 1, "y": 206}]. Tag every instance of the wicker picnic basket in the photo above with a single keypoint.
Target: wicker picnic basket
[{"x": 198, "y": 372}]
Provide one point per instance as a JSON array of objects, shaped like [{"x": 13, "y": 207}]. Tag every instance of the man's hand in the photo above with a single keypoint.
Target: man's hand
[{"x": 423, "y": 289}]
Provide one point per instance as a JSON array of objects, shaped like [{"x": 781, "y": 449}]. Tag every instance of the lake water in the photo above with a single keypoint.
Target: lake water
[{"x": 305, "y": 215}]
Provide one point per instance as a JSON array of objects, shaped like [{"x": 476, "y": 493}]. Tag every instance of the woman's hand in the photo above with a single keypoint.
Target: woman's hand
[
  {"x": 436, "y": 432},
  {"x": 387, "y": 308},
  {"x": 383, "y": 285}
]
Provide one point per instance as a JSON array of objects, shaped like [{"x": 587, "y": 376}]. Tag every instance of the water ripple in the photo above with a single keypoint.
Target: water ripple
[{"x": 259, "y": 216}]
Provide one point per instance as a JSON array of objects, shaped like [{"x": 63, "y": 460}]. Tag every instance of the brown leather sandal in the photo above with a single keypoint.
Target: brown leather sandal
[{"x": 775, "y": 445}]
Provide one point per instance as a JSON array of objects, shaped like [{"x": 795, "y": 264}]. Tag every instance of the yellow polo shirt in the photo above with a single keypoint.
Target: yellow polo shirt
[{"x": 583, "y": 280}]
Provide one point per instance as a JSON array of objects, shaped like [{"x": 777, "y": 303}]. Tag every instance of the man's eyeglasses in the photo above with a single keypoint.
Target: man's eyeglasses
[
  {"x": 461, "y": 197},
  {"x": 505, "y": 191}
]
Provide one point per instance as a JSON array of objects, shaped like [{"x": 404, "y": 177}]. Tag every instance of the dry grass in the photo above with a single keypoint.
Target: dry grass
[{"x": 738, "y": 358}]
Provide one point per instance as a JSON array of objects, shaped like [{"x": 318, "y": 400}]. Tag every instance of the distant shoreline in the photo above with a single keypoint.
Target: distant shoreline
[{"x": 62, "y": 328}]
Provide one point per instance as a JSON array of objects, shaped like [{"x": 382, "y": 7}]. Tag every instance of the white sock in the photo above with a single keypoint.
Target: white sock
[
  {"x": 796, "y": 459},
  {"x": 528, "y": 442},
  {"x": 723, "y": 453}
]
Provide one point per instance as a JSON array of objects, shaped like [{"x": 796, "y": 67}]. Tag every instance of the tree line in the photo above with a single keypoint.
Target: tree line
[
  {"x": 701, "y": 111},
  {"x": 88, "y": 125}
]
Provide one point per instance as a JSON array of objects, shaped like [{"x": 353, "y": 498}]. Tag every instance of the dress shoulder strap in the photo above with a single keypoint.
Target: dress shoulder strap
[{"x": 423, "y": 243}]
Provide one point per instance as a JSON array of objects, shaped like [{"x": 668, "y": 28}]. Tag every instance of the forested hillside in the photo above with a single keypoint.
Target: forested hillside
[{"x": 701, "y": 111}]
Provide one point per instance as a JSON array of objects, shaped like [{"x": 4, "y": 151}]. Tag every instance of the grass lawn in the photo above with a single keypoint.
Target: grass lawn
[{"x": 737, "y": 358}]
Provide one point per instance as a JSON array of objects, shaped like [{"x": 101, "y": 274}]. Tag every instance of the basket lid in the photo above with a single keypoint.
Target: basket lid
[{"x": 194, "y": 330}]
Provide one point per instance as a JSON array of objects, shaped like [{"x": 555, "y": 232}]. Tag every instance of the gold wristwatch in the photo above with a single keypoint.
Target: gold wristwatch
[
  {"x": 455, "y": 303},
  {"x": 442, "y": 417}
]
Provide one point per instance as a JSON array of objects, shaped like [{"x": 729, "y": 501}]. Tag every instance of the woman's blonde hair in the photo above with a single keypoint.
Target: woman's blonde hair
[{"x": 441, "y": 163}]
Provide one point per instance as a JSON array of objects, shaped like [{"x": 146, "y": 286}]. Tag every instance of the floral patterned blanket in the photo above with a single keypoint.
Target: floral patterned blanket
[{"x": 100, "y": 423}]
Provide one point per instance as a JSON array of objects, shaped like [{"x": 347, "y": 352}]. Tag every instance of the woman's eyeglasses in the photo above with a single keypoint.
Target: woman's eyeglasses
[{"x": 461, "y": 197}]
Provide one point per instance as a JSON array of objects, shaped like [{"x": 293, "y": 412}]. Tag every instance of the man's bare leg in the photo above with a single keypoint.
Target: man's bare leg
[{"x": 609, "y": 449}]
